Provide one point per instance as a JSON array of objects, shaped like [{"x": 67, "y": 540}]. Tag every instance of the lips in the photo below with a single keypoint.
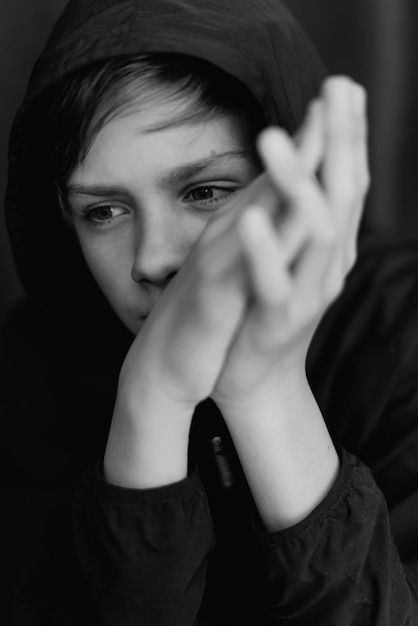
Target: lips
[{"x": 150, "y": 301}]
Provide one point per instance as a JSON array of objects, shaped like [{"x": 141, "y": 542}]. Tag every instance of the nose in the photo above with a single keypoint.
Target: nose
[{"x": 161, "y": 247}]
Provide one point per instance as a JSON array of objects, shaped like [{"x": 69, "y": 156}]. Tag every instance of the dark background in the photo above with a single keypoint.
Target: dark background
[{"x": 370, "y": 40}]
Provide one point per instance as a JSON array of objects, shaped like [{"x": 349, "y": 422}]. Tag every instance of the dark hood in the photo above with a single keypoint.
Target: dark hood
[{"x": 256, "y": 41}]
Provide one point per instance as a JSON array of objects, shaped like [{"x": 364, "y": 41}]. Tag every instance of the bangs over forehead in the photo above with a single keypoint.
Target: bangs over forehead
[
  {"x": 72, "y": 114},
  {"x": 138, "y": 85}
]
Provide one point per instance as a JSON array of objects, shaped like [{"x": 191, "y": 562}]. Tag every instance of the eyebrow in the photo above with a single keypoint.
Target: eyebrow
[{"x": 172, "y": 176}]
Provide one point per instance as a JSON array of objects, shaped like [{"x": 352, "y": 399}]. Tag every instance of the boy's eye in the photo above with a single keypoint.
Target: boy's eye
[
  {"x": 103, "y": 213},
  {"x": 202, "y": 193},
  {"x": 208, "y": 194}
]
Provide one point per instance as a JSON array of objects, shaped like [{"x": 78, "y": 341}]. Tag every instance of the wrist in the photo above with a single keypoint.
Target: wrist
[
  {"x": 148, "y": 443},
  {"x": 285, "y": 450},
  {"x": 281, "y": 392}
]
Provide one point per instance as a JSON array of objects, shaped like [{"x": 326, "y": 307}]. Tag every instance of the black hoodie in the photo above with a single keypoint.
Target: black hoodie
[{"x": 84, "y": 552}]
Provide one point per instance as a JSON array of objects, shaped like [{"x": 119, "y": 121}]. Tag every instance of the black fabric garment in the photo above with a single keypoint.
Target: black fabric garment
[{"x": 80, "y": 551}]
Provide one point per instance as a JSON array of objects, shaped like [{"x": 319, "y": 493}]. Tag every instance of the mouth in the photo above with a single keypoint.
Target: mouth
[
  {"x": 143, "y": 316},
  {"x": 137, "y": 324}
]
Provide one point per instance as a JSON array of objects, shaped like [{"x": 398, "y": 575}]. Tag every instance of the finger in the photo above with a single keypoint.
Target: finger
[
  {"x": 284, "y": 304},
  {"x": 310, "y": 138},
  {"x": 338, "y": 171},
  {"x": 310, "y": 143},
  {"x": 307, "y": 215},
  {"x": 261, "y": 191},
  {"x": 269, "y": 279},
  {"x": 315, "y": 283},
  {"x": 343, "y": 172},
  {"x": 359, "y": 121},
  {"x": 361, "y": 164},
  {"x": 300, "y": 190}
]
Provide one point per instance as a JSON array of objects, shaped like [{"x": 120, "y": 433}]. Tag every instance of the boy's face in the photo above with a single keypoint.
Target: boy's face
[{"x": 144, "y": 194}]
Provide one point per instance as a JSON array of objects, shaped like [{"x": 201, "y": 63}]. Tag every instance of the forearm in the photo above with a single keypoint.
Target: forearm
[
  {"x": 148, "y": 443},
  {"x": 286, "y": 451}
]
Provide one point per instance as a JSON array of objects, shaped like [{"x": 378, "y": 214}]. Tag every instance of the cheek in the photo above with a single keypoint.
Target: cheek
[
  {"x": 187, "y": 229},
  {"x": 109, "y": 264}
]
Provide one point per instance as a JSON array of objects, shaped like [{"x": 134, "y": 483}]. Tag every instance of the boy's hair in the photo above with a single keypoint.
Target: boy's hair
[{"x": 63, "y": 124}]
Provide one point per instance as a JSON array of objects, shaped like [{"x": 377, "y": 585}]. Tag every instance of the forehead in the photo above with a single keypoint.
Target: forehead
[{"x": 147, "y": 139}]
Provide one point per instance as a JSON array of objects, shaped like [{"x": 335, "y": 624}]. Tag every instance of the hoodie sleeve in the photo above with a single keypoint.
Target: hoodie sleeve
[
  {"x": 340, "y": 565},
  {"x": 128, "y": 557},
  {"x": 143, "y": 552}
]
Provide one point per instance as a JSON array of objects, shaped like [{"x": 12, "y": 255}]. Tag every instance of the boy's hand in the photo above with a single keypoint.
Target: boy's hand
[{"x": 297, "y": 263}]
